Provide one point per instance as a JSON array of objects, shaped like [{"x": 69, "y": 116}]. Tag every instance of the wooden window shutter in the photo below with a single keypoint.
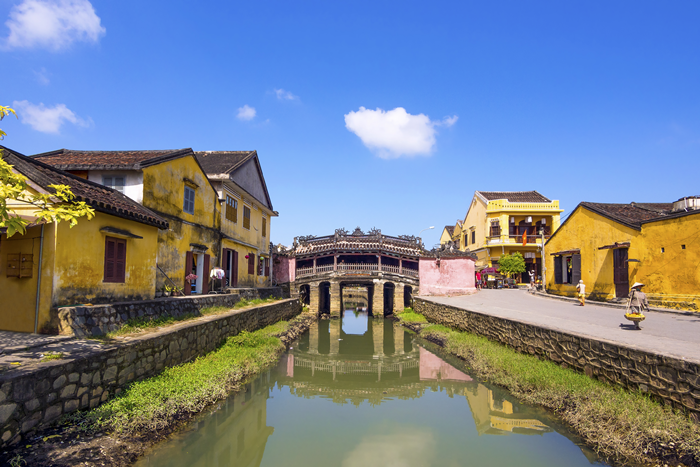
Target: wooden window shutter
[
  {"x": 267, "y": 267},
  {"x": 189, "y": 261},
  {"x": 110, "y": 254},
  {"x": 120, "y": 261},
  {"x": 575, "y": 269},
  {"x": 251, "y": 263},
  {"x": 234, "y": 278},
  {"x": 557, "y": 270},
  {"x": 205, "y": 275},
  {"x": 264, "y": 227},
  {"x": 246, "y": 217}
]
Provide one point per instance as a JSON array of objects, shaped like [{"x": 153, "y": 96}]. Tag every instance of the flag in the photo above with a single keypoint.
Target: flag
[{"x": 525, "y": 238}]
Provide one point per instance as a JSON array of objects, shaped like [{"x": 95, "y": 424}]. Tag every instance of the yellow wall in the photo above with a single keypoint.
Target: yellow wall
[
  {"x": 588, "y": 231},
  {"x": 445, "y": 237},
  {"x": 245, "y": 279},
  {"x": 164, "y": 191},
  {"x": 80, "y": 260},
  {"x": 18, "y": 304},
  {"x": 671, "y": 278}
]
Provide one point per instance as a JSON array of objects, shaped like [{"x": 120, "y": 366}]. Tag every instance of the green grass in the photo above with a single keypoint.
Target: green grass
[
  {"x": 48, "y": 356},
  {"x": 617, "y": 422},
  {"x": 157, "y": 402},
  {"x": 409, "y": 316},
  {"x": 136, "y": 325}
]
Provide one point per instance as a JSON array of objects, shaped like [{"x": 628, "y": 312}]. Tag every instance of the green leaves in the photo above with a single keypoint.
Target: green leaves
[{"x": 511, "y": 264}]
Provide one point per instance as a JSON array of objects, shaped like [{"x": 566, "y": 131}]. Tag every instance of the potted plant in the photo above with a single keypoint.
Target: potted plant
[{"x": 167, "y": 290}]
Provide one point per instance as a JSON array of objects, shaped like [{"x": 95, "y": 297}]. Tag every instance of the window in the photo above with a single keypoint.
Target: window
[
  {"x": 495, "y": 229},
  {"x": 261, "y": 266},
  {"x": 473, "y": 237},
  {"x": 246, "y": 217},
  {"x": 251, "y": 263},
  {"x": 188, "y": 205},
  {"x": 116, "y": 183},
  {"x": 115, "y": 260},
  {"x": 231, "y": 209},
  {"x": 264, "y": 227}
]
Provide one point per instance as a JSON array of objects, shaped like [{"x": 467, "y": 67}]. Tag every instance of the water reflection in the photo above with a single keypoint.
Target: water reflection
[{"x": 360, "y": 391}]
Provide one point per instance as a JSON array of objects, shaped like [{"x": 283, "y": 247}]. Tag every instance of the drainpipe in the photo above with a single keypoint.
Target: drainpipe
[{"x": 38, "y": 282}]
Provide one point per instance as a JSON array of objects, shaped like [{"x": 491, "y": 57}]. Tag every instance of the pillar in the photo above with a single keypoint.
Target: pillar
[
  {"x": 399, "y": 333},
  {"x": 335, "y": 300},
  {"x": 313, "y": 339},
  {"x": 378, "y": 337},
  {"x": 335, "y": 336},
  {"x": 313, "y": 298},
  {"x": 378, "y": 300},
  {"x": 335, "y": 262},
  {"x": 400, "y": 266},
  {"x": 398, "y": 298},
  {"x": 314, "y": 265}
]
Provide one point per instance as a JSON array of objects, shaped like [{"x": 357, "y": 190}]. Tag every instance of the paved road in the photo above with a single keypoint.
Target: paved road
[{"x": 677, "y": 335}]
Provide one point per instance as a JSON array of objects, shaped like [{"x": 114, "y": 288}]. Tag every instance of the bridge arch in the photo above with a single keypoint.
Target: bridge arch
[
  {"x": 388, "y": 296},
  {"x": 305, "y": 294},
  {"x": 324, "y": 297},
  {"x": 407, "y": 296}
]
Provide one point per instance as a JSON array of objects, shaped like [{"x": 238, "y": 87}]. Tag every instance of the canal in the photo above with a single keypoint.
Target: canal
[{"x": 361, "y": 391}]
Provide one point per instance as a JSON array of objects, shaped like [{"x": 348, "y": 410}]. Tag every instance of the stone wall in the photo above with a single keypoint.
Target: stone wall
[
  {"x": 98, "y": 320},
  {"x": 33, "y": 397},
  {"x": 671, "y": 380}
]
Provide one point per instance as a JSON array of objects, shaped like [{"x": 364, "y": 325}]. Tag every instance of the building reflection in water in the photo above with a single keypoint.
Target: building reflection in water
[{"x": 383, "y": 363}]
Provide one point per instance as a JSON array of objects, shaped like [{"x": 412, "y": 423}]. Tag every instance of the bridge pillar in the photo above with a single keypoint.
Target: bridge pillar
[
  {"x": 378, "y": 337},
  {"x": 335, "y": 336},
  {"x": 313, "y": 339},
  {"x": 335, "y": 300},
  {"x": 398, "y": 298},
  {"x": 313, "y": 298},
  {"x": 378, "y": 300},
  {"x": 399, "y": 333}
]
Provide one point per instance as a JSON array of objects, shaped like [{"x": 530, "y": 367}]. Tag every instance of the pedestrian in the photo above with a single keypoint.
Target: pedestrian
[
  {"x": 532, "y": 280},
  {"x": 581, "y": 288},
  {"x": 478, "y": 280},
  {"x": 638, "y": 299}
]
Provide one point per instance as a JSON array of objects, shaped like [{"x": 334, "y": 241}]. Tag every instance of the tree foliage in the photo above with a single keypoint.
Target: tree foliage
[
  {"x": 508, "y": 265},
  {"x": 48, "y": 207}
]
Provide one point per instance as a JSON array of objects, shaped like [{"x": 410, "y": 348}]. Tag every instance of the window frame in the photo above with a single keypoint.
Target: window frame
[
  {"x": 116, "y": 275},
  {"x": 113, "y": 178},
  {"x": 246, "y": 219},
  {"x": 186, "y": 200},
  {"x": 232, "y": 208}
]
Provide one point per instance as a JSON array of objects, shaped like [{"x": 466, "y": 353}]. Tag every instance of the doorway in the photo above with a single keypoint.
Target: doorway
[{"x": 621, "y": 273}]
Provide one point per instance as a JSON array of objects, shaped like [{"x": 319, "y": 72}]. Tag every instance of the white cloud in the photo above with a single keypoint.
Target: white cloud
[
  {"x": 246, "y": 113},
  {"x": 395, "y": 133},
  {"x": 285, "y": 95},
  {"x": 46, "y": 119},
  {"x": 42, "y": 76},
  {"x": 414, "y": 448},
  {"x": 52, "y": 24}
]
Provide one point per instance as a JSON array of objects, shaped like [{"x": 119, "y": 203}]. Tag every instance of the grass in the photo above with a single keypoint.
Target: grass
[
  {"x": 159, "y": 401},
  {"x": 618, "y": 423},
  {"x": 48, "y": 356},
  {"x": 409, "y": 316},
  {"x": 136, "y": 325}
]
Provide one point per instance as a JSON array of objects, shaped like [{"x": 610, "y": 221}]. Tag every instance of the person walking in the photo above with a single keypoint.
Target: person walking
[
  {"x": 581, "y": 288},
  {"x": 637, "y": 302},
  {"x": 478, "y": 280}
]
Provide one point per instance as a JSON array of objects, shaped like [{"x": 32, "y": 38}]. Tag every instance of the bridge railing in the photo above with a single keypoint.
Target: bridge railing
[{"x": 357, "y": 267}]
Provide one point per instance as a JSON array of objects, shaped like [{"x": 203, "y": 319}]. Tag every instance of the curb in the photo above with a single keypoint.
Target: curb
[{"x": 613, "y": 305}]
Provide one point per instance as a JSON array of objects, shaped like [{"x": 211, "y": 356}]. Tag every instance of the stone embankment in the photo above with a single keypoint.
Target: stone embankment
[
  {"x": 673, "y": 381},
  {"x": 98, "y": 320},
  {"x": 31, "y": 398}
]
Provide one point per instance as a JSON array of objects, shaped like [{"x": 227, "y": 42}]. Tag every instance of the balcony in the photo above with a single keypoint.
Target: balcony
[{"x": 515, "y": 239}]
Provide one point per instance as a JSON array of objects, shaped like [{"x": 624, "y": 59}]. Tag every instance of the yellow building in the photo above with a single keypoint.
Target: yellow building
[
  {"x": 447, "y": 233},
  {"x": 172, "y": 184},
  {"x": 246, "y": 215},
  {"x": 109, "y": 258},
  {"x": 611, "y": 246},
  {"x": 500, "y": 223}
]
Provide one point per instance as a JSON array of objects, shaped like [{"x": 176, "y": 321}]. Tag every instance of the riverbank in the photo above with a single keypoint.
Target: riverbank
[
  {"x": 148, "y": 411},
  {"x": 620, "y": 425}
]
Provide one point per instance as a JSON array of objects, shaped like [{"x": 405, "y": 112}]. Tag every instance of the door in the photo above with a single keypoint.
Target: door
[
  {"x": 234, "y": 275},
  {"x": 620, "y": 273}
]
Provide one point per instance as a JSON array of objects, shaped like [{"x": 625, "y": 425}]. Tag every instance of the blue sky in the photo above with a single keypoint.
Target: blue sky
[{"x": 582, "y": 101}]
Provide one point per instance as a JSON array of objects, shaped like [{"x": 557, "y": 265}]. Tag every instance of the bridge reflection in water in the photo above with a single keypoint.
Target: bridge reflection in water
[{"x": 352, "y": 361}]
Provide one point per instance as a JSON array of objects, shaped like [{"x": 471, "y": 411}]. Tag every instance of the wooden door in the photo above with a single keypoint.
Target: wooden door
[
  {"x": 189, "y": 263},
  {"x": 620, "y": 273},
  {"x": 234, "y": 268}
]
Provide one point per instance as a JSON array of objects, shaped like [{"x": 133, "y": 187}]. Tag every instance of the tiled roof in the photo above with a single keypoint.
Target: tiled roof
[
  {"x": 515, "y": 196},
  {"x": 100, "y": 198},
  {"x": 69, "y": 159},
  {"x": 360, "y": 244},
  {"x": 450, "y": 229},
  {"x": 222, "y": 162},
  {"x": 631, "y": 214}
]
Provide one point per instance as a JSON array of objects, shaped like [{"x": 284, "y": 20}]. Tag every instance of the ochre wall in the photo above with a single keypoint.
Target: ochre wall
[
  {"x": 245, "y": 279},
  {"x": 164, "y": 192},
  {"x": 453, "y": 276},
  {"x": 18, "y": 295},
  {"x": 80, "y": 261},
  {"x": 671, "y": 278},
  {"x": 589, "y": 231}
]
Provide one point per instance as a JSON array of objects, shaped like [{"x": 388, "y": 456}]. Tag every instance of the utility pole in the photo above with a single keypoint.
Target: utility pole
[{"x": 544, "y": 264}]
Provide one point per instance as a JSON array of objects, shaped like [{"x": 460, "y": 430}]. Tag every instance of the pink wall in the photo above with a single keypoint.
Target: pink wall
[
  {"x": 453, "y": 276},
  {"x": 285, "y": 270}
]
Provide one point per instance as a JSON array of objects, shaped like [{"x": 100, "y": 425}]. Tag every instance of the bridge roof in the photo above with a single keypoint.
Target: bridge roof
[{"x": 372, "y": 243}]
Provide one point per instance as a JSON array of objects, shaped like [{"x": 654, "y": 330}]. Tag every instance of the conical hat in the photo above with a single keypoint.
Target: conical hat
[{"x": 637, "y": 284}]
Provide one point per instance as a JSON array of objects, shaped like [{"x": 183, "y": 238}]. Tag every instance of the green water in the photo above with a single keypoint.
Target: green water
[{"x": 364, "y": 392}]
